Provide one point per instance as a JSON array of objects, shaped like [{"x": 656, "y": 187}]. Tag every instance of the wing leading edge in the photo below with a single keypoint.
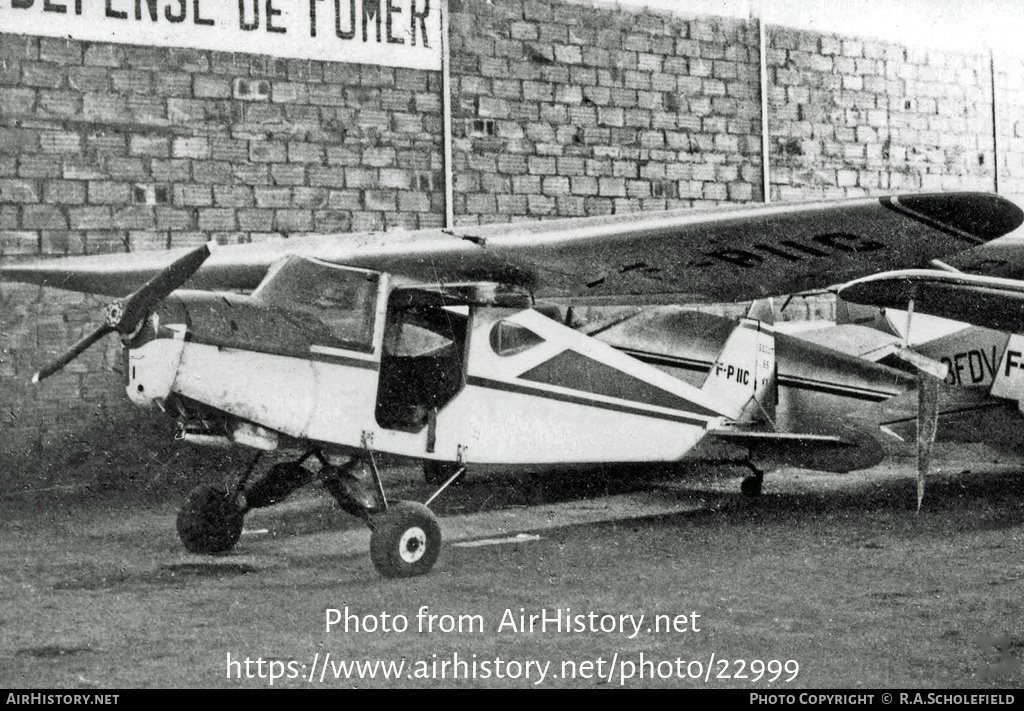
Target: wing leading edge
[{"x": 729, "y": 253}]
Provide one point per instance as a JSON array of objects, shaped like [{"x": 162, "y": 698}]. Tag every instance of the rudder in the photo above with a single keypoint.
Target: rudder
[{"x": 742, "y": 381}]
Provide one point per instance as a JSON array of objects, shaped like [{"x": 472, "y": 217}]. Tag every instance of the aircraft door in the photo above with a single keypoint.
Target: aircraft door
[{"x": 422, "y": 366}]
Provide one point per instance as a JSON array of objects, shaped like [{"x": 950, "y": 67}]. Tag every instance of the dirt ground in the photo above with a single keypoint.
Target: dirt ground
[{"x": 826, "y": 581}]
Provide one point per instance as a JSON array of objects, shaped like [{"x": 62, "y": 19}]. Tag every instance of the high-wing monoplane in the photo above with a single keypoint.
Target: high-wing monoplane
[
  {"x": 434, "y": 345},
  {"x": 980, "y": 398},
  {"x": 980, "y": 341}
]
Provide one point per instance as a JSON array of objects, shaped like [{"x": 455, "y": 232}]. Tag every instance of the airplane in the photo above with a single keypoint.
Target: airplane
[
  {"x": 978, "y": 400},
  {"x": 980, "y": 321},
  {"x": 432, "y": 345}
]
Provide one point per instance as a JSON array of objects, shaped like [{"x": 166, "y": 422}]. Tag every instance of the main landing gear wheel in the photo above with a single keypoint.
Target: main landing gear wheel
[
  {"x": 406, "y": 540},
  {"x": 210, "y": 521}
]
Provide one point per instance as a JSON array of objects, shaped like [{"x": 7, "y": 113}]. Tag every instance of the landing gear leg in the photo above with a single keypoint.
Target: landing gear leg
[
  {"x": 354, "y": 494},
  {"x": 405, "y": 538},
  {"x": 276, "y": 484},
  {"x": 751, "y": 484}
]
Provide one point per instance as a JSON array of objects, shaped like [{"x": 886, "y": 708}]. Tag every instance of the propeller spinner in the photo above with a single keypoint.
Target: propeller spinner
[{"x": 126, "y": 316}]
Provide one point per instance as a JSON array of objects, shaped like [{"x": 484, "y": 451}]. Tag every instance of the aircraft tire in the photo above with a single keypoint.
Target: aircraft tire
[
  {"x": 406, "y": 540},
  {"x": 209, "y": 522}
]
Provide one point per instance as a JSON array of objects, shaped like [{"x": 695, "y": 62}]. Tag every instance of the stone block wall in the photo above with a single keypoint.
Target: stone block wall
[
  {"x": 563, "y": 110},
  {"x": 1009, "y": 119},
  {"x": 109, "y": 148},
  {"x": 852, "y": 118}
]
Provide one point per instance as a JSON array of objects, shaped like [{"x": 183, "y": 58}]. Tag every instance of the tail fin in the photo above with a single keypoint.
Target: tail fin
[{"x": 742, "y": 381}]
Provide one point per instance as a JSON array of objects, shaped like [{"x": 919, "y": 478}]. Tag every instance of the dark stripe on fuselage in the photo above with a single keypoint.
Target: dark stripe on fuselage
[
  {"x": 833, "y": 389},
  {"x": 576, "y": 371},
  {"x": 343, "y": 360},
  {"x": 328, "y": 358},
  {"x": 698, "y": 366},
  {"x": 577, "y": 400}
]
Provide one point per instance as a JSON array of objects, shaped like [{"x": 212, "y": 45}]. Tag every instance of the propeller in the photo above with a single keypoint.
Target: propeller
[
  {"x": 930, "y": 374},
  {"x": 126, "y": 316}
]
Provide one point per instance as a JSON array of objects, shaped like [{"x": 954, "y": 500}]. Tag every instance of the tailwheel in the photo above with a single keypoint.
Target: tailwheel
[
  {"x": 406, "y": 540},
  {"x": 210, "y": 520},
  {"x": 751, "y": 484}
]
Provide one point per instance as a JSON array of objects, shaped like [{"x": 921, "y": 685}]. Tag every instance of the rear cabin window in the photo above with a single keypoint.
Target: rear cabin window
[{"x": 508, "y": 338}]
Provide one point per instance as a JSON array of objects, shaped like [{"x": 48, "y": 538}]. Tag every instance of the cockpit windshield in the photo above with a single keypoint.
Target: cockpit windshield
[{"x": 342, "y": 298}]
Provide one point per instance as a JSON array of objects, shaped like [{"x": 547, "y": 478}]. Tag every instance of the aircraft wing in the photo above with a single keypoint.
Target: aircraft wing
[
  {"x": 992, "y": 302},
  {"x": 1003, "y": 258},
  {"x": 729, "y": 253}
]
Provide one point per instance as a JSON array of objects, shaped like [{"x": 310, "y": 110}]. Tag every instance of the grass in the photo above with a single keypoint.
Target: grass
[{"x": 834, "y": 572}]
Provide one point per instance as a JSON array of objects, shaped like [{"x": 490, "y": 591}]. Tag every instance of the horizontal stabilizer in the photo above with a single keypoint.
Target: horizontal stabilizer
[
  {"x": 849, "y": 448},
  {"x": 855, "y": 340},
  {"x": 966, "y": 416}
]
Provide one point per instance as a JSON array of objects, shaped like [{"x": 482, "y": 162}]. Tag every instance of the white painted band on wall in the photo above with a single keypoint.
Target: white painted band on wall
[{"x": 396, "y": 33}]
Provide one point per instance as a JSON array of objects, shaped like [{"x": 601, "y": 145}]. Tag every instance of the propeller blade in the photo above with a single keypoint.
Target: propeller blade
[
  {"x": 925, "y": 365},
  {"x": 139, "y": 304},
  {"x": 930, "y": 373},
  {"x": 927, "y": 425},
  {"x": 73, "y": 352},
  {"x": 125, "y": 318}
]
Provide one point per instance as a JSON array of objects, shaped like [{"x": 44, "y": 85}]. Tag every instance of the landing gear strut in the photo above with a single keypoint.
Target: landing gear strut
[
  {"x": 436, "y": 473},
  {"x": 406, "y": 537}
]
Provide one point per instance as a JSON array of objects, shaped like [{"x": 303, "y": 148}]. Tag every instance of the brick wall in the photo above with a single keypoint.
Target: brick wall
[
  {"x": 1010, "y": 125},
  {"x": 563, "y": 111},
  {"x": 851, "y": 118},
  {"x": 560, "y": 108}
]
